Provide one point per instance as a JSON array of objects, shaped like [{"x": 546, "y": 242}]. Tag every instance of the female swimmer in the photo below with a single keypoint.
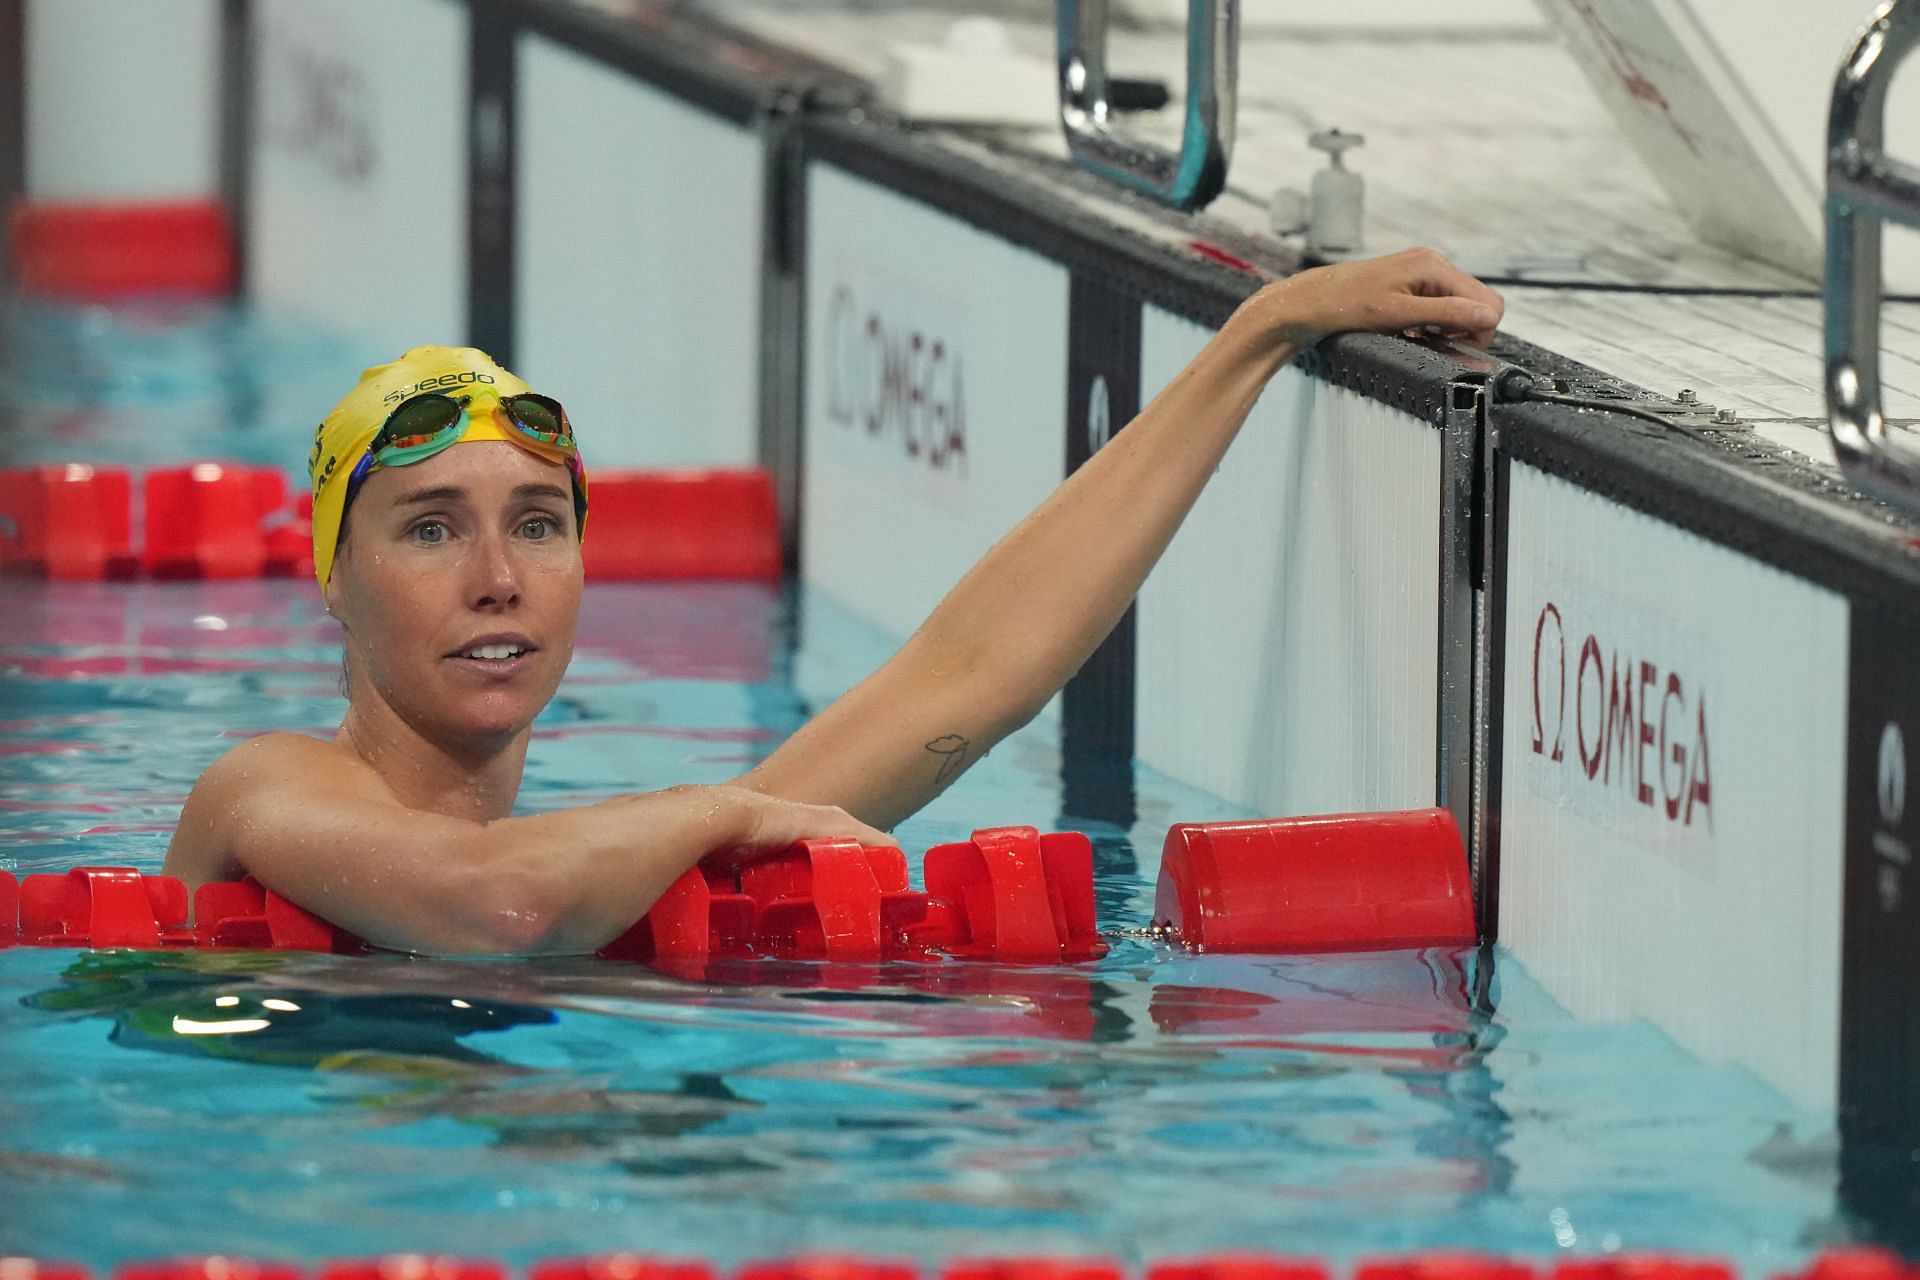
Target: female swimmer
[{"x": 457, "y": 583}]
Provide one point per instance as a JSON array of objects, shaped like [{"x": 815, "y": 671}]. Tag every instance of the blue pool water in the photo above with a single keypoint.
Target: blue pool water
[{"x": 1151, "y": 1104}]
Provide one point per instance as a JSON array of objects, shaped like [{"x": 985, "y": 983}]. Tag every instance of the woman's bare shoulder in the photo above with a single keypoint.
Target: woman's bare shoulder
[
  {"x": 225, "y": 803},
  {"x": 272, "y": 759}
]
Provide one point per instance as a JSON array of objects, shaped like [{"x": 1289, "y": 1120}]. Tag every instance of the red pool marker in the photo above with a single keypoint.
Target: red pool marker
[
  {"x": 103, "y": 907},
  {"x": 208, "y": 520},
  {"x": 701, "y": 914},
  {"x": 1034, "y": 1269},
  {"x": 72, "y": 522},
  {"x": 218, "y": 1267},
  {"x": 621, "y": 1266},
  {"x": 1243, "y": 1266},
  {"x": 692, "y": 523},
  {"x": 31, "y": 1269},
  {"x": 1011, "y": 893},
  {"x": 244, "y": 913},
  {"x": 831, "y": 899},
  {"x": 829, "y": 1267},
  {"x": 1642, "y": 1266},
  {"x": 97, "y": 252},
  {"x": 1444, "y": 1266},
  {"x": 288, "y": 534},
  {"x": 1855, "y": 1264},
  {"x": 414, "y": 1266},
  {"x": 9, "y": 909},
  {"x": 1359, "y": 881}
]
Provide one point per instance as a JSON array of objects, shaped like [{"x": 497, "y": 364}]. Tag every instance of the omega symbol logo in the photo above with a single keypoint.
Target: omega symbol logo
[
  {"x": 1099, "y": 415},
  {"x": 1893, "y": 775}
]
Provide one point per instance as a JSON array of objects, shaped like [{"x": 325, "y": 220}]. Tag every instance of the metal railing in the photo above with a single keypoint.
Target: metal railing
[
  {"x": 1865, "y": 189},
  {"x": 1186, "y": 179}
]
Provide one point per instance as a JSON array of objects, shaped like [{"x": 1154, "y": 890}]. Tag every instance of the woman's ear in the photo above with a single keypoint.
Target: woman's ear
[{"x": 335, "y": 596}]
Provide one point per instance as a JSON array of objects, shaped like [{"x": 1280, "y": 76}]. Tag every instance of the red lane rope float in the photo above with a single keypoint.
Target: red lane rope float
[
  {"x": 233, "y": 520},
  {"x": 99, "y": 252},
  {"x": 1337, "y": 883},
  {"x": 1842, "y": 1264},
  {"x": 822, "y": 899},
  {"x": 1330, "y": 883}
]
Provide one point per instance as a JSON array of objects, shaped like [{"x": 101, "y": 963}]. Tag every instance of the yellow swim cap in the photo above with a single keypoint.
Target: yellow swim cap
[{"x": 347, "y": 433}]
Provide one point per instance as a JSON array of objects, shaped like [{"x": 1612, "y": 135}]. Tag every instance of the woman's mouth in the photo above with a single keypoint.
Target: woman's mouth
[
  {"x": 493, "y": 652},
  {"x": 495, "y": 655}
]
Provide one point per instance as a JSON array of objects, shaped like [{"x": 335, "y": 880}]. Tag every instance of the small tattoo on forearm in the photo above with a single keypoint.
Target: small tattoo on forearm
[{"x": 952, "y": 750}]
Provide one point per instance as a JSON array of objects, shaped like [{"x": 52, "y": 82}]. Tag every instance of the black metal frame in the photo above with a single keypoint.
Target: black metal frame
[{"x": 13, "y": 118}]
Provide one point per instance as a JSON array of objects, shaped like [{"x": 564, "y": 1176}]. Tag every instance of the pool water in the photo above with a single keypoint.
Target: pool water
[{"x": 1154, "y": 1103}]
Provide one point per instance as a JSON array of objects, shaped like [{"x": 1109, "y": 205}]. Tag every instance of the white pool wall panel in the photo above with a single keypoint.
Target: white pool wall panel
[
  {"x": 1642, "y": 874},
  {"x": 637, "y": 264},
  {"x": 358, "y": 185},
  {"x": 123, "y": 100},
  {"x": 921, "y": 330},
  {"x": 1289, "y": 640}
]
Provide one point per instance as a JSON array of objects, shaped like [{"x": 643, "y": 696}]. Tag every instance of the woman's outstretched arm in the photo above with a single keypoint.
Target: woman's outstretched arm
[{"x": 1030, "y": 612}]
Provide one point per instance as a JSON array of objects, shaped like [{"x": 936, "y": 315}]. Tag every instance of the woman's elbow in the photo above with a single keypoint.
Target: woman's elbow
[{"x": 493, "y": 911}]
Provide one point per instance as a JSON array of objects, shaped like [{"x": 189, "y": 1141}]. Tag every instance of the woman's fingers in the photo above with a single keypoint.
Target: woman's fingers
[
  {"x": 779, "y": 824},
  {"x": 1453, "y": 315},
  {"x": 1412, "y": 289}
]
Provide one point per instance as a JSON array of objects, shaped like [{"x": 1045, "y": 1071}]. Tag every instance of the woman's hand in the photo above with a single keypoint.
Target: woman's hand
[
  {"x": 768, "y": 825},
  {"x": 1416, "y": 289}
]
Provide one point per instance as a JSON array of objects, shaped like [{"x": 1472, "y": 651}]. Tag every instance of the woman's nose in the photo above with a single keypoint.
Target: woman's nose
[{"x": 496, "y": 581}]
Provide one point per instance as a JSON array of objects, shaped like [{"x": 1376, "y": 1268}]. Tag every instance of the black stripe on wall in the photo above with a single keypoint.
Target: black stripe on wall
[
  {"x": 490, "y": 179},
  {"x": 1492, "y": 699},
  {"x": 236, "y": 121},
  {"x": 1103, "y": 395},
  {"x": 13, "y": 116},
  {"x": 1880, "y": 939}
]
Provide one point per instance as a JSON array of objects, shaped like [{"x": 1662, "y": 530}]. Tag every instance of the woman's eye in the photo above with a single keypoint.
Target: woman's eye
[
  {"x": 538, "y": 529},
  {"x": 430, "y": 532}
]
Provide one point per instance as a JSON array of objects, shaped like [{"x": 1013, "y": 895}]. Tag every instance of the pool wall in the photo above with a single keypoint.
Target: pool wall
[{"x": 1711, "y": 823}]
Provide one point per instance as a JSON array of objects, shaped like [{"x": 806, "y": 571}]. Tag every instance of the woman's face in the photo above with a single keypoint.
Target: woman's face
[{"x": 459, "y": 588}]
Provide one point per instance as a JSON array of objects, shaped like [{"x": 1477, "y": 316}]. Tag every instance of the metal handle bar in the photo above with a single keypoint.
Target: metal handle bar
[
  {"x": 1866, "y": 188},
  {"x": 1196, "y": 174}
]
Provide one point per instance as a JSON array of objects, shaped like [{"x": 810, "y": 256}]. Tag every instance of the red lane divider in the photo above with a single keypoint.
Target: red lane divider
[
  {"x": 1644, "y": 1266},
  {"x": 823, "y": 899},
  {"x": 96, "y": 252},
  {"x": 1016, "y": 895},
  {"x": 1011, "y": 894},
  {"x": 1240, "y": 1267},
  {"x": 210, "y": 1269},
  {"x": 209, "y": 520},
  {"x": 70, "y": 521},
  {"x": 1448, "y": 1266},
  {"x": 1033, "y": 1269},
  {"x": 234, "y": 520},
  {"x": 1855, "y": 1264},
  {"x": 827, "y": 1268},
  {"x": 1340, "y": 882},
  {"x": 691, "y": 523},
  {"x": 834, "y": 900},
  {"x": 1841, "y": 1264},
  {"x": 621, "y": 1266},
  {"x": 412, "y": 1266}
]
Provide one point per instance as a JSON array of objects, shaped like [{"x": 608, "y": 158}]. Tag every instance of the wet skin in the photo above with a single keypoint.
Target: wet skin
[{"x": 472, "y": 549}]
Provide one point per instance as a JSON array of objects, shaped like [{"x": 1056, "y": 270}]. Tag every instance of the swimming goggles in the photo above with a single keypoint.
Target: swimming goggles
[{"x": 423, "y": 425}]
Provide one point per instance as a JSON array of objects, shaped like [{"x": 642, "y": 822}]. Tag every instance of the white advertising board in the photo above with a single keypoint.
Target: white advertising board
[
  {"x": 123, "y": 100},
  {"x": 935, "y": 396},
  {"x": 637, "y": 262},
  {"x": 1672, "y": 792},
  {"x": 358, "y": 183},
  {"x": 1289, "y": 640}
]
